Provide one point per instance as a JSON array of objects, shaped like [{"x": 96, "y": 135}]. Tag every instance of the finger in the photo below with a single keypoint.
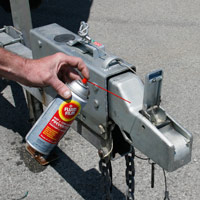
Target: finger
[
  {"x": 73, "y": 74},
  {"x": 61, "y": 88},
  {"x": 79, "y": 64},
  {"x": 68, "y": 74},
  {"x": 73, "y": 77}
]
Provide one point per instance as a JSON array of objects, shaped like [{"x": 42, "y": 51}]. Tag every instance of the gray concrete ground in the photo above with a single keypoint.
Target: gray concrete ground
[{"x": 150, "y": 35}]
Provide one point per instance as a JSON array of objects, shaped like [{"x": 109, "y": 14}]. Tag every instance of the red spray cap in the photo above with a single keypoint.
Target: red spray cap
[{"x": 84, "y": 80}]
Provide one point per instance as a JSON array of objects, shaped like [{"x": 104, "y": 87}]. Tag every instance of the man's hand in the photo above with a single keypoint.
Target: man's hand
[{"x": 55, "y": 70}]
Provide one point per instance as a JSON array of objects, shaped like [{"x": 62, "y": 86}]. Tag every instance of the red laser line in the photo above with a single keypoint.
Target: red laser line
[{"x": 108, "y": 91}]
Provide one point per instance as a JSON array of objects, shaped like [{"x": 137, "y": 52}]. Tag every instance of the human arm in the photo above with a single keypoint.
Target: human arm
[{"x": 53, "y": 70}]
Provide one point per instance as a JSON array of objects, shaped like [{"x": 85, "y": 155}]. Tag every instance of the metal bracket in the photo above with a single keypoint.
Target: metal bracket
[
  {"x": 152, "y": 99},
  {"x": 110, "y": 60},
  {"x": 152, "y": 89},
  {"x": 14, "y": 33}
]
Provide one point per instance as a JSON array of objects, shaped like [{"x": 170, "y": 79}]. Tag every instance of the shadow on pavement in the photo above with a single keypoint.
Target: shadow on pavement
[
  {"x": 66, "y": 13},
  {"x": 89, "y": 184},
  {"x": 15, "y": 117}
]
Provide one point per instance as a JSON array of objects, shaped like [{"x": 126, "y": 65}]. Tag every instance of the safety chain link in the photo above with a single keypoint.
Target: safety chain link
[
  {"x": 130, "y": 174},
  {"x": 106, "y": 171}
]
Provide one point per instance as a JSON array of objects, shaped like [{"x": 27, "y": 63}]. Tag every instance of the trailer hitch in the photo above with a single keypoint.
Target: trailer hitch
[{"x": 110, "y": 124}]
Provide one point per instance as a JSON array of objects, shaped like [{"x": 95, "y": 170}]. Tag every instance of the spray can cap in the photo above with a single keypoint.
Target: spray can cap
[
  {"x": 84, "y": 80},
  {"x": 79, "y": 88}
]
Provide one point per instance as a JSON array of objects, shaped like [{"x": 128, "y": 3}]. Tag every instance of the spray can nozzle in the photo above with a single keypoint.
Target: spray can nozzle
[{"x": 84, "y": 80}]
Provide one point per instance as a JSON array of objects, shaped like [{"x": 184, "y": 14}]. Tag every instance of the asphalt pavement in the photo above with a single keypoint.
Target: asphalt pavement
[{"x": 152, "y": 34}]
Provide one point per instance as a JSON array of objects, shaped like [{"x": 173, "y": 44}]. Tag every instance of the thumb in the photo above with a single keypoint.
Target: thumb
[{"x": 61, "y": 88}]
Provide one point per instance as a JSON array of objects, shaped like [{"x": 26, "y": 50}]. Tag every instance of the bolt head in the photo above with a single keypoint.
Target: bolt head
[
  {"x": 96, "y": 103},
  {"x": 40, "y": 44}
]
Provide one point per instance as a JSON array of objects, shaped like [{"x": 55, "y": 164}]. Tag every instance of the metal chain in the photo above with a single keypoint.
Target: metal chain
[
  {"x": 130, "y": 174},
  {"x": 106, "y": 171}
]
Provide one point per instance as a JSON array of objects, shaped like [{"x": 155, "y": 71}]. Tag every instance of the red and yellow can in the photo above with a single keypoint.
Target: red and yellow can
[{"x": 57, "y": 119}]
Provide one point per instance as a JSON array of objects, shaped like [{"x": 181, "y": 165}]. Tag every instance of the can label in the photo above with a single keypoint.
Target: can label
[{"x": 60, "y": 122}]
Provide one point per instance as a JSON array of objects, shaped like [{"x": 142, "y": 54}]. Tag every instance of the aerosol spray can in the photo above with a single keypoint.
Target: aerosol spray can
[{"x": 57, "y": 119}]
